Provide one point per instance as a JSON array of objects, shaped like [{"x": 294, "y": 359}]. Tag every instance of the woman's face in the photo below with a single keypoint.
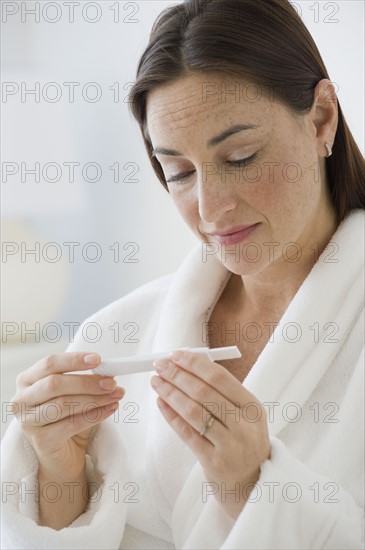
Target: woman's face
[{"x": 280, "y": 193}]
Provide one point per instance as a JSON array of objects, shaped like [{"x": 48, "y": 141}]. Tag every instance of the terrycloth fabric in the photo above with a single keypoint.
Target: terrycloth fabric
[{"x": 150, "y": 488}]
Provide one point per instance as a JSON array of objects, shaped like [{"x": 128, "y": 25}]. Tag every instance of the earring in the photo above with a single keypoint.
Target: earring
[{"x": 329, "y": 150}]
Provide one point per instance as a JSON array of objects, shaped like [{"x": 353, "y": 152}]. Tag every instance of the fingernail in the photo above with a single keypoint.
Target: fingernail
[
  {"x": 112, "y": 407},
  {"x": 118, "y": 392},
  {"x": 107, "y": 383},
  {"x": 161, "y": 364},
  {"x": 156, "y": 381},
  {"x": 178, "y": 355},
  {"x": 92, "y": 359}
]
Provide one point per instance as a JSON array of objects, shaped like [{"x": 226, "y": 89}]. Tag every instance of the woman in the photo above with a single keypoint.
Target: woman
[{"x": 244, "y": 130}]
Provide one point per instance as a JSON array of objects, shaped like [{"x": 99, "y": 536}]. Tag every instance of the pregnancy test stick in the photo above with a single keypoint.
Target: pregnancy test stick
[{"x": 143, "y": 363}]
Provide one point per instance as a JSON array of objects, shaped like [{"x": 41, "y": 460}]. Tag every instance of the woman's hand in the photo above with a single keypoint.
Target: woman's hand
[
  {"x": 191, "y": 391},
  {"x": 57, "y": 410}
]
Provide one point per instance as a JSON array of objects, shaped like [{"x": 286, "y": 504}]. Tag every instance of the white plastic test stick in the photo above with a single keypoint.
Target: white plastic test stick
[{"x": 144, "y": 363}]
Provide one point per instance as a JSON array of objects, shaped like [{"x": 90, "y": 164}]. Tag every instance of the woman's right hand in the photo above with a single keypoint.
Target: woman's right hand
[{"x": 57, "y": 410}]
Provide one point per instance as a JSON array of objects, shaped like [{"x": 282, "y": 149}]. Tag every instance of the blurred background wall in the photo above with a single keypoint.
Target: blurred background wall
[{"x": 99, "y": 222}]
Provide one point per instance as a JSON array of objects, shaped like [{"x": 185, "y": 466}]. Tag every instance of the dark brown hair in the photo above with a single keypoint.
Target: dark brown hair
[{"x": 260, "y": 41}]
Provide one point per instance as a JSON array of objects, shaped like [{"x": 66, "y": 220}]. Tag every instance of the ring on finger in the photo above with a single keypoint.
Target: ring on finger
[{"x": 206, "y": 425}]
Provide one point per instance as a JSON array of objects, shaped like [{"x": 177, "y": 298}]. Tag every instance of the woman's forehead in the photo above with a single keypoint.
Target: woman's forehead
[{"x": 182, "y": 104}]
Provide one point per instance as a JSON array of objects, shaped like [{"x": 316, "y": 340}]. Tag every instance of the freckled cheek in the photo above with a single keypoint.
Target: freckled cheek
[
  {"x": 264, "y": 194},
  {"x": 282, "y": 202}
]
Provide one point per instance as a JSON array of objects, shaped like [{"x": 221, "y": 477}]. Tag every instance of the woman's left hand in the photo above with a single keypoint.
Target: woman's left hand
[{"x": 191, "y": 391}]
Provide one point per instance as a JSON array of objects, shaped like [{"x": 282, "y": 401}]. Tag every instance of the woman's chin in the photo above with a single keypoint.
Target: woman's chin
[{"x": 243, "y": 267}]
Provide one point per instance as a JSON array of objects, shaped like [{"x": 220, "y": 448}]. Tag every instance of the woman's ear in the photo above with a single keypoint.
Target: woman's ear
[{"x": 324, "y": 115}]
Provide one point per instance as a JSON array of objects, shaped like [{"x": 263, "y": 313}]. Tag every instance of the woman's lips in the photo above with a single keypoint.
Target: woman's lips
[{"x": 234, "y": 238}]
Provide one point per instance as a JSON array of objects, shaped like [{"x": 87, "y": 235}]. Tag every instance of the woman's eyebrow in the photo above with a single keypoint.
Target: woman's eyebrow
[{"x": 211, "y": 143}]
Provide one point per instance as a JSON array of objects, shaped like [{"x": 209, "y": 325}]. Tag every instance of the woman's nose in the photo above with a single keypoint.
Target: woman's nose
[{"x": 216, "y": 196}]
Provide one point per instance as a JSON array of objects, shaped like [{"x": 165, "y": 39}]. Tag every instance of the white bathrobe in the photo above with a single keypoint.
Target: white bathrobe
[{"x": 149, "y": 489}]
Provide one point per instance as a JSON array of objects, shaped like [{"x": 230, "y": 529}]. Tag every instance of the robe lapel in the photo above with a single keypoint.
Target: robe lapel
[{"x": 189, "y": 300}]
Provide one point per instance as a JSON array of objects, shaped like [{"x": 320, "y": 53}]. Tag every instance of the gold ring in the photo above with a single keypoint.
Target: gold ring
[{"x": 207, "y": 425}]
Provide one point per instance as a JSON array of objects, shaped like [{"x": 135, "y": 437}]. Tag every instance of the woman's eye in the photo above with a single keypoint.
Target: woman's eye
[
  {"x": 179, "y": 177},
  {"x": 242, "y": 162},
  {"x": 235, "y": 163}
]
